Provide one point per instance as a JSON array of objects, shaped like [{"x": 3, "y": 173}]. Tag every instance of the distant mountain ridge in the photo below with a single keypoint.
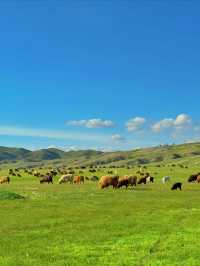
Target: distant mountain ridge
[
  {"x": 13, "y": 153},
  {"x": 92, "y": 157},
  {"x": 10, "y": 154}
]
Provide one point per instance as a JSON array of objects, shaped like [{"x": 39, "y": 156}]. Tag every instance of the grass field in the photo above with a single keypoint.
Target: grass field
[{"x": 82, "y": 225}]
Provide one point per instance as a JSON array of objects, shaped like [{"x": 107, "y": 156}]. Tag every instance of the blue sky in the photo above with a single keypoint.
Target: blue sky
[{"x": 99, "y": 74}]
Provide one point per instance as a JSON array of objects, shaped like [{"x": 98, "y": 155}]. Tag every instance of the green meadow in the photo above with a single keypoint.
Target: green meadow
[{"x": 82, "y": 225}]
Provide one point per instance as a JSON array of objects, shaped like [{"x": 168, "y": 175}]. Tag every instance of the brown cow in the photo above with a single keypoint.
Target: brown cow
[
  {"x": 107, "y": 181},
  {"x": 79, "y": 179},
  {"x": 4, "y": 180},
  {"x": 132, "y": 180},
  {"x": 46, "y": 179},
  {"x": 198, "y": 179},
  {"x": 123, "y": 182},
  {"x": 127, "y": 180}
]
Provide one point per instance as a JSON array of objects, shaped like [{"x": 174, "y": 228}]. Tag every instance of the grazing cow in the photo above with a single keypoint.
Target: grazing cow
[
  {"x": 92, "y": 171},
  {"x": 150, "y": 179},
  {"x": 46, "y": 179},
  {"x": 107, "y": 181},
  {"x": 36, "y": 173},
  {"x": 66, "y": 179},
  {"x": 4, "y": 180},
  {"x": 166, "y": 179},
  {"x": 110, "y": 172},
  {"x": 198, "y": 179},
  {"x": 70, "y": 172},
  {"x": 123, "y": 182},
  {"x": 53, "y": 173},
  {"x": 142, "y": 180},
  {"x": 176, "y": 186},
  {"x": 132, "y": 180},
  {"x": 79, "y": 179},
  {"x": 10, "y": 171},
  {"x": 193, "y": 178}
]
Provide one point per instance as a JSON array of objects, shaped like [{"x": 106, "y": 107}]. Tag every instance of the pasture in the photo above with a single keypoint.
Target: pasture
[{"x": 82, "y": 225}]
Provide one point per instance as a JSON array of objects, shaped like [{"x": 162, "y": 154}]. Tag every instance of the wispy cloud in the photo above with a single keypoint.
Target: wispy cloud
[
  {"x": 52, "y": 134},
  {"x": 92, "y": 123},
  {"x": 117, "y": 138},
  {"x": 147, "y": 133}
]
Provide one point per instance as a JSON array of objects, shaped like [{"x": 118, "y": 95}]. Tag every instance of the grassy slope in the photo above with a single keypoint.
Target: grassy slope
[
  {"x": 13, "y": 153},
  {"x": 80, "y": 225},
  {"x": 88, "y": 157}
]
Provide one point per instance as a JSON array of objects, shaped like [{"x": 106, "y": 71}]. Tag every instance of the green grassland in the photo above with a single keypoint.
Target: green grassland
[{"x": 83, "y": 225}]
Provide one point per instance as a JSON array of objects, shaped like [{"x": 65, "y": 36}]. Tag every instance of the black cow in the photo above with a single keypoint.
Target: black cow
[
  {"x": 192, "y": 178},
  {"x": 142, "y": 180},
  {"x": 176, "y": 186}
]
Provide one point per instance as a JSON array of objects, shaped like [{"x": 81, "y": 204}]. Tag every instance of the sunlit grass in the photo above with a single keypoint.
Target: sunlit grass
[{"x": 82, "y": 225}]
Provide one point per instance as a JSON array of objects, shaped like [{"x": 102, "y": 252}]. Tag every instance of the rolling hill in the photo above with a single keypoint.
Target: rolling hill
[
  {"x": 91, "y": 157},
  {"x": 10, "y": 154}
]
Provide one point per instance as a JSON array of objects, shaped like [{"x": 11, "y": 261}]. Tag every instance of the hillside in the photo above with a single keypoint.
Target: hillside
[
  {"x": 45, "y": 154},
  {"x": 91, "y": 157},
  {"x": 13, "y": 153}
]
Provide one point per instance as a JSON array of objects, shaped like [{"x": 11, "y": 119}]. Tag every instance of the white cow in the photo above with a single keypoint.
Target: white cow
[
  {"x": 166, "y": 179},
  {"x": 66, "y": 179},
  {"x": 150, "y": 179}
]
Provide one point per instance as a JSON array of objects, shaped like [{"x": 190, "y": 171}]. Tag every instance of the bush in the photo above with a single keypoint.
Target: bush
[
  {"x": 159, "y": 159},
  {"x": 142, "y": 161},
  {"x": 6, "y": 195},
  {"x": 176, "y": 156}
]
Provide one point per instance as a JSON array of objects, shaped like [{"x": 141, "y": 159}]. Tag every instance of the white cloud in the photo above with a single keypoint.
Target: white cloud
[
  {"x": 52, "y": 147},
  {"x": 73, "y": 148},
  {"x": 117, "y": 138},
  {"x": 108, "y": 149},
  {"x": 56, "y": 147},
  {"x": 181, "y": 122},
  {"x": 163, "y": 124},
  {"x": 135, "y": 124},
  {"x": 92, "y": 123},
  {"x": 193, "y": 140}
]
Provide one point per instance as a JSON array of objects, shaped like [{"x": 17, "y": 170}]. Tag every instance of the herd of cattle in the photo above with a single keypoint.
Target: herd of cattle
[
  {"x": 105, "y": 181},
  {"x": 118, "y": 182}
]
